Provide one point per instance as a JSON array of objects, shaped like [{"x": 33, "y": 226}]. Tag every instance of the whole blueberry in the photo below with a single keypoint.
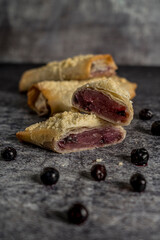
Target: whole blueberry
[
  {"x": 77, "y": 214},
  {"x": 98, "y": 172},
  {"x": 139, "y": 156},
  {"x": 155, "y": 129},
  {"x": 9, "y": 153},
  {"x": 49, "y": 176},
  {"x": 138, "y": 182},
  {"x": 145, "y": 114}
]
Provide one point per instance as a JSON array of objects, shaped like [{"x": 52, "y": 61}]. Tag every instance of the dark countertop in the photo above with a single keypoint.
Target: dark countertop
[{"x": 28, "y": 210}]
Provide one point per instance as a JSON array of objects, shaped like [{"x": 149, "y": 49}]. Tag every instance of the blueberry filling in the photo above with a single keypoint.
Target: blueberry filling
[
  {"x": 75, "y": 100},
  {"x": 91, "y": 138},
  {"x": 70, "y": 139},
  {"x": 94, "y": 101},
  {"x": 121, "y": 113}
]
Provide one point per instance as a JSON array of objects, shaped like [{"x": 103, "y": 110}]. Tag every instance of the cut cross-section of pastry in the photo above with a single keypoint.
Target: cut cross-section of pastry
[
  {"x": 106, "y": 99},
  {"x": 71, "y": 132},
  {"x": 78, "y": 68},
  {"x": 51, "y": 97}
]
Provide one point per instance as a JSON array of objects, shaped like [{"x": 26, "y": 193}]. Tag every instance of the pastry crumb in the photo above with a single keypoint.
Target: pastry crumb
[
  {"x": 99, "y": 160},
  {"x": 120, "y": 163}
]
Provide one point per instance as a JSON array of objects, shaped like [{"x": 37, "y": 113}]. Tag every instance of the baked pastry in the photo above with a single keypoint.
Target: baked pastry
[
  {"x": 71, "y": 132},
  {"x": 49, "y": 97},
  {"x": 127, "y": 85},
  {"x": 78, "y": 68},
  {"x": 106, "y": 99}
]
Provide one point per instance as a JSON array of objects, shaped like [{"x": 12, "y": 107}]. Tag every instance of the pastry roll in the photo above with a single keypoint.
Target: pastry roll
[
  {"x": 49, "y": 97},
  {"x": 127, "y": 85},
  {"x": 71, "y": 132},
  {"x": 78, "y": 68},
  {"x": 106, "y": 99}
]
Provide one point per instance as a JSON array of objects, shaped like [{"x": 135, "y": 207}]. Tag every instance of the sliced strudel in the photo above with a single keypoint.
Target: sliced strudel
[
  {"x": 49, "y": 97},
  {"x": 71, "y": 132},
  {"x": 106, "y": 99}
]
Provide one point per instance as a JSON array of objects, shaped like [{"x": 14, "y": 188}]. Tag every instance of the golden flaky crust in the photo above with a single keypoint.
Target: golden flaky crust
[
  {"x": 129, "y": 86},
  {"x": 58, "y": 94},
  {"x": 47, "y": 133},
  {"x": 114, "y": 90},
  {"x": 77, "y": 68}
]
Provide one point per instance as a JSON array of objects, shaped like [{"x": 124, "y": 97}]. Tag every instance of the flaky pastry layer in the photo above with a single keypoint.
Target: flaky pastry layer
[
  {"x": 57, "y": 95},
  {"x": 127, "y": 85},
  {"x": 77, "y": 68}
]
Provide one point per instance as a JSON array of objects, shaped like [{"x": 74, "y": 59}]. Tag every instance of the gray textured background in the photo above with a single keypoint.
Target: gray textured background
[
  {"x": 30, "y": 211},
  {"x": 39, "y": 31}
]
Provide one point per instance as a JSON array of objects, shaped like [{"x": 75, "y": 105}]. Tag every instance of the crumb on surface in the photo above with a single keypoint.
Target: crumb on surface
[
  {"x": 99, "y": 160},
  {"x": 120, "y": 163}
]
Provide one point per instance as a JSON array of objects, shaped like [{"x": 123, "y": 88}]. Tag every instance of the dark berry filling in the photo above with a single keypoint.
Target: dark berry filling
[
  {"x": 9, "y": 153},
  {"x": 98, "y": 172},
  {"x": 139, "y": 157},
  {"x": 121, "y": 113},
  {"x": 77, "y": 214},
  {"x": 94, "y": 101},
  {"x": 145, "y": 114},
  {"x": 155, "y": 129},
  {"x": 138, "y": 182},
  {"x": 91, "y": 138},
  {"x": 49, "y": 176}
]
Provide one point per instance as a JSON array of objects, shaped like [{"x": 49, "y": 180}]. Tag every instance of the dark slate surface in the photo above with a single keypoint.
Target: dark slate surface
[
  {"x": 41, "y": 31},
  {"x": 30, "y": 211}
]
